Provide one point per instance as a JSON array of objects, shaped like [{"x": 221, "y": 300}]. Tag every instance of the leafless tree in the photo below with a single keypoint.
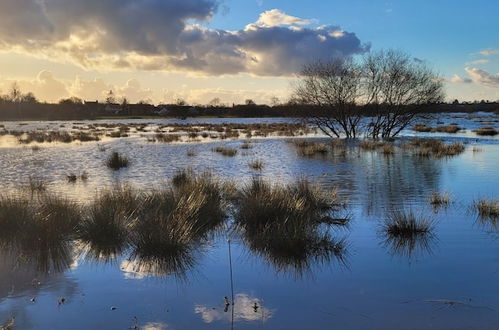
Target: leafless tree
[
  {"x": 15, "y": 93},
  {"x": 396, "y": 89},
  {"x": 389, "y": 86},
  {"x": 332, "y": 89}
]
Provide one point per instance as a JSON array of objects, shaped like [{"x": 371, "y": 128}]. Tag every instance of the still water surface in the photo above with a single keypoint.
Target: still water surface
[{"x": 375, "y": 285}]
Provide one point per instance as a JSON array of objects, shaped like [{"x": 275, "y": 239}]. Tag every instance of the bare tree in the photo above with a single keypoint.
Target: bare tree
[
  {"x": 332, "y": 88},
  {"x": 110, "y": 99},
  {"x": 388, "y": 86},
  {"x": 15, "y": 93},
  {"x": 215, "y": 102},
  {"x": 396, "y": 90}
]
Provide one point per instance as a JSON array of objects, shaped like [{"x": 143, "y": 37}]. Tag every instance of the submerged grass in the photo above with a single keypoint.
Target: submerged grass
[
  {"x": 407, "y": 224},
  {"x": 407, "y": 234},
  {"x": 439, "y": 198},
  {"x": 436, "y": 148},
  {"x": 488, "y": 210}
]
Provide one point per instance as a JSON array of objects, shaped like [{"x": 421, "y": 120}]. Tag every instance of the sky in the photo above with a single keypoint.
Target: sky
[{"x": 198, "y": 50}]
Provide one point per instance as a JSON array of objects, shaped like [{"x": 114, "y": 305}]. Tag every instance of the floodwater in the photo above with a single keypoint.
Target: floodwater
[{"x": 450, "y": 280}]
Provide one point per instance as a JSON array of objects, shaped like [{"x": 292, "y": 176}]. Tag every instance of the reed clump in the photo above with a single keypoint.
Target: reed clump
[
  {"x": 117, "y": 161},
  {"x": 291, "y": 209},
  {"x": 256, "y": 164},
  {"x": 407, "y": 224},
  {"x": 436, "y": 148},
  {"x": 225, "y": 151},
  {"x": 439, "y": 198},
  {"x": 486, "y": 131},
  {"x": 487, "y": 208}
]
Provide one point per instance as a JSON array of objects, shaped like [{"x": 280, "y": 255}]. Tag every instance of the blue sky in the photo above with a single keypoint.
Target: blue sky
[
  {"x": 161, "y": 50},
  {"x": 446, "y": 33}
]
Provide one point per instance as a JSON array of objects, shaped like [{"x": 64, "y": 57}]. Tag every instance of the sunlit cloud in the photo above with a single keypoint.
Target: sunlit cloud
[
  {"x": 276, "y": 17},
  {"x": 113, "y": 35}
]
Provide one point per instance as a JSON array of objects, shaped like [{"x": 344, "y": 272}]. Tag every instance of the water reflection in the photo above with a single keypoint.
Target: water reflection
[
  {"x": 395, "y": 182},
  {"x": 298, "y": 256},
  {"x": 245, "y": 308},
  {"x": 410, "y": 246}
]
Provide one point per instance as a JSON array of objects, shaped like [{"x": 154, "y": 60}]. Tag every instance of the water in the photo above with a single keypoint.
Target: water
[{"x": 375, "y": 286}]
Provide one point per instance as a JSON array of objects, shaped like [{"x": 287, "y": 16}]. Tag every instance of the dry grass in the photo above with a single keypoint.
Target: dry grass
[
  {"x": 407, "y": 234},
  {"x": 388, "y": 149},
  {"x": 452, "y": 128},
  {"x": 246, "y": 145},
  {"x": 486, "y": 131},
  {"x": 256, "y": 164},
  {"x": 436, "y": 148},
  {"x": 310, "y": 149},
  {"x": 407, "y": 224},
  {"x": 371, "y": 145},
  {"x": 167, "y": 138},
  {"x": 487, "y": 208},
  {"x": 228, "y": 152},
  {"x": 439, "y": 198},
  {"x": 117, "y": 161}
]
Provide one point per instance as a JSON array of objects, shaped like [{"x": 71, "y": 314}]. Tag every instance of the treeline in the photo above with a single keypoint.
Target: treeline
[
  {"x": 63, "y": 111},
  {"x": 19, "y": 106}
]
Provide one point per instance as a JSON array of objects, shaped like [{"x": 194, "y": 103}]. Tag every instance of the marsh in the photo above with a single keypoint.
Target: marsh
[{"x": 292, "y": 229}]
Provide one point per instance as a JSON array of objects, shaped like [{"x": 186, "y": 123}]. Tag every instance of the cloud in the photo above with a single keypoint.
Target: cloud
[
  {"x": 458, "y": 79},
  {"x": 45, "y": 87},
  {"x": 275, "y": 17},
  {"x": 227, "y": 96},
  {"x": 478, "y": 62},
  {"x": 489, "y": 52},
  {"x": 166, "y": 35},
  {"x": 483, "y": 77}
]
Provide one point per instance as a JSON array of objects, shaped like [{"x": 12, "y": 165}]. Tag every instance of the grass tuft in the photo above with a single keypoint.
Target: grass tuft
[{"x": 117, "y": 161}]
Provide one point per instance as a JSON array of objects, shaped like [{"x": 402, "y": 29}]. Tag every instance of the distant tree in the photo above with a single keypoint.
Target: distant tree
[
  {"x": 28, "y": 98},
  {"x": 180, "y": 102},
  {"x": 73, "y": 100},
  {"x": 456, "y": 101},
  {"x": 249, "y": 102},
  {"x": 15, "y": 93},
  {"x": 215, "y": 102},
  {"x": 110, "y": 99},
  {"x": 274, "y": 101},
  {"x": 145, "y": 101}
]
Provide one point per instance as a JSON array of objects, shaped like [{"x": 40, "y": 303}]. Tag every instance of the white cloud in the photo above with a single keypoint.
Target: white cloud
[
  {"x": 479, "y": 62},
  {"x": 275, "y": 17},
  {"x": 489, "y": 52},
  {"x": 483, "y": 77},
  {"x": 458, "y": 79}
]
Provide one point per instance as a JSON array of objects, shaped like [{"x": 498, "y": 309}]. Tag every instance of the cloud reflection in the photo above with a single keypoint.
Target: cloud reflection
[{"x": 246, "y": 308}]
